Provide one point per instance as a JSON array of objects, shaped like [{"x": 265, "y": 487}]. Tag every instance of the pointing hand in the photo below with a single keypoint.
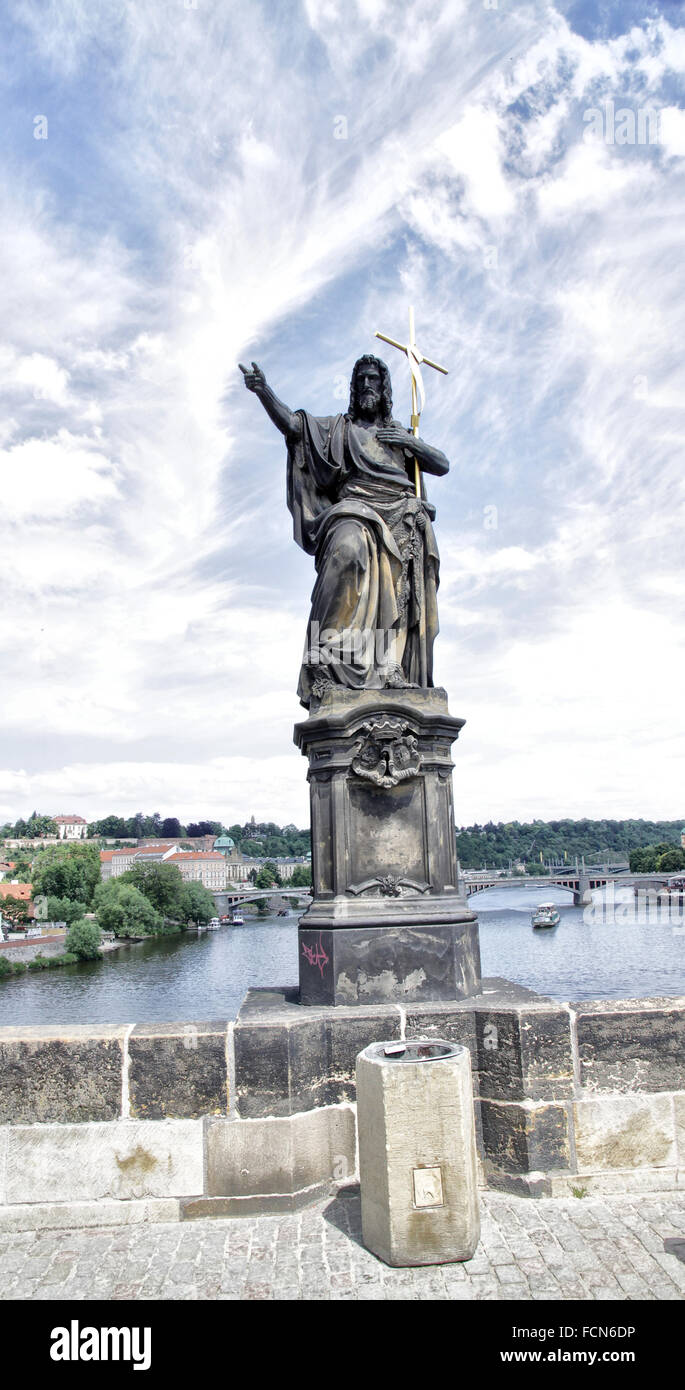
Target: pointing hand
[{"x": 255, "y": 379}]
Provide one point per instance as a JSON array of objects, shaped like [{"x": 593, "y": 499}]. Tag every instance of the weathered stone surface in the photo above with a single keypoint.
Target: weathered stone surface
[
  {"x": 177, "y": 1070},
  {"x": 378, "y": 965},
  {"x": 417, "y": 1156},
  {"x": 200, "y": 1208},
  {"x": 455, "y": 1022},
  {"x": 383, "y": 852},
  {"x": 289, "y": 1060},
  {"x": 526, "y": 1137},
  {"x": 524, "y": 1054},
  {"x": 129, "y": 1159},
  {"x": 679, "y": 1114},
  {"x": 612, "y": 1181},
  {"x": 625, "y": 1132},
  {"x": 4, "y": 1141},
  {"x": 632, "y": 1045},
  {"x": 74, "y": 1216},
  {"x": 254, "y": 1157},
  {"x": 68, "y": 1075}
]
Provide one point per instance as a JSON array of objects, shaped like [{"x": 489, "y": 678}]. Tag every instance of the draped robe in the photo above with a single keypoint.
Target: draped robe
[{"x": 374, "y": 612}]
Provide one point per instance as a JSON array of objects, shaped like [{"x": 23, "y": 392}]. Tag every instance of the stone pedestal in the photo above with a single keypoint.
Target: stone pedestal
[
  {"x": 388, "y": 919},
  {"x": 417, "y": 1152}
]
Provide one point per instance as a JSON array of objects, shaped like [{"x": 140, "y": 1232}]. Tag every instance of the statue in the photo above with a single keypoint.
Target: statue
[
  {"x": 355, "y": 508},
  {"x": 387, "y": 919}
]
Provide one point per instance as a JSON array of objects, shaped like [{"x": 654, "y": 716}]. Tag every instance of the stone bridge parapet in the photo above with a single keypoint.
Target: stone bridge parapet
[{"x": 109, "y": 1124}]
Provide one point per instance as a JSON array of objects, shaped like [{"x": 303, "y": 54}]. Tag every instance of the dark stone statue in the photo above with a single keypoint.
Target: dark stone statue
[{"x": 351, "y": 493}]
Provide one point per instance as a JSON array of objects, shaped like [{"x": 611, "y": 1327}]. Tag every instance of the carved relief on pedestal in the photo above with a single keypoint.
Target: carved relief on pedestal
[
  {"x": 389, "y": 752},
  {"x": 389, "y": 886}
]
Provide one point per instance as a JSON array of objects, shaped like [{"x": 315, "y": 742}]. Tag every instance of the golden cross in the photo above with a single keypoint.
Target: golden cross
[{"x": 414, "y": 358}]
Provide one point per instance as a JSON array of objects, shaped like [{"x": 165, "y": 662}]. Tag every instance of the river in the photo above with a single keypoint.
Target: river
[{"x": 193, "y": 977}]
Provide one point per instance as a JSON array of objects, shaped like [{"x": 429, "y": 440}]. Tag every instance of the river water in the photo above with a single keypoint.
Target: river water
[{"x": 194, "y": 977}]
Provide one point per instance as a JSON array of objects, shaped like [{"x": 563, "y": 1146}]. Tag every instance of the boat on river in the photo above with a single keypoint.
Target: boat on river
[
  {"x": 237, "y": 920},
  {"x": 545, "y": 915}
]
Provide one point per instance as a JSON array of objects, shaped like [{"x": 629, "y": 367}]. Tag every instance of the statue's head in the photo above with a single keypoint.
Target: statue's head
[{"x": 370, "y": 390}]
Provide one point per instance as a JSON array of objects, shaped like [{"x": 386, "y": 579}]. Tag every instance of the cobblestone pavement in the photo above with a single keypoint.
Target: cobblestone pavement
[{"x": 610, "y": 1248}]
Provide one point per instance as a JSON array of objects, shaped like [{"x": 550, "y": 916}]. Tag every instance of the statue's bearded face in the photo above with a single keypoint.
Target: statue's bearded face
[{"x": 368, "y": 390}]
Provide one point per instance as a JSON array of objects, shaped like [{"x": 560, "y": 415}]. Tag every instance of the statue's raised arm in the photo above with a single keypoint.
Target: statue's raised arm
[{"x": 285, "y": 420}]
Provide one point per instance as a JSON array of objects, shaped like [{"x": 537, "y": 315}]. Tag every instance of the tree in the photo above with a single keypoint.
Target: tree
[
  {"x": 301, "y": 877},
  {"x": 16, "y": 910},
  {"x": 64, "y": 910},
  {"x": 113, "y": 827},
  {"x": 123, "y": 909},
  {"x": 204, "y": 827},
  {"x": 38, "y": 826},
  {"x": 268, "y": 876},
  {"x": 67, "y": 871},
  {"x": 670, "y": 861},
  {"x": 84, "y": 939},
  {"x": 197, "y": 903},
  {"x": 161, "y": 884},
  {"x": 172, "y": 829}
]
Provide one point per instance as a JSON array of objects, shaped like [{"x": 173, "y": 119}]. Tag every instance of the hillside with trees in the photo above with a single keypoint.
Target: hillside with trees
[{"x": 495, "y": 846}]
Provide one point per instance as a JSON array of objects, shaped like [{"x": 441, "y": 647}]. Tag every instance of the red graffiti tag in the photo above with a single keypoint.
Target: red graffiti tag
[{"x": 316, "y": 955}]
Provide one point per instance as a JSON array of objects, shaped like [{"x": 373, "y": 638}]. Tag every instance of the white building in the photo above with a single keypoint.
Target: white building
[
  {"x": 114, "y": 862},
  {"x": 71, "y": 827},
  {"x": 202, "y": 866}
]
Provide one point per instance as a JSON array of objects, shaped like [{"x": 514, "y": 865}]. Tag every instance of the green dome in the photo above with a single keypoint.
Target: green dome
[{"x": 224, "y": 842}]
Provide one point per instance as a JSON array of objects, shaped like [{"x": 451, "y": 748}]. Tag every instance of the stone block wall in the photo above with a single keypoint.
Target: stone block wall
[{"x": 164, "y": 1121}]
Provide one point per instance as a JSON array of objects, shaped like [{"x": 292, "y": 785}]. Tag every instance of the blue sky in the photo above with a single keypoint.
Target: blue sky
[{"x": 192, "y": 206}]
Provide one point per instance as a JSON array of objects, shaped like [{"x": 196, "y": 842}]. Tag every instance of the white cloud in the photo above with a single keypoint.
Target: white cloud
[
  {"x": 54, "y": 477},
  {"x": 672, "y": 131},
  {"x": 44, "y": 377}
]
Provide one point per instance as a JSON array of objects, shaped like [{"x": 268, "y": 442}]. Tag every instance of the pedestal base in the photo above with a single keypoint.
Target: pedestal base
[
  {"x": 388, "y": 918},
  {"x": 394, "y": 964}
]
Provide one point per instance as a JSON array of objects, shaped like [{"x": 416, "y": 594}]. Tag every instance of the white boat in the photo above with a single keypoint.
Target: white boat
[
  {"x": 546, "y": 915},
  {"x": 213, "y": 924},
  {"x": 237, "y": 920}
]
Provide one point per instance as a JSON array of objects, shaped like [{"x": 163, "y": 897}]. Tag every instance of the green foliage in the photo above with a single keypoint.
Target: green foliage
[
  {"x": 67, "y": 871},
  {"x": 671, "y": 861},
  {"x": 124, "y": 910},
  {"x": 84, "y": 939},
  {"x": 5, "y": 967},
  {"x": 496, "y": 845},
  {"x": 22, "y": 860},
  {"x": 161, "y": 884},
  {"x": 204, "y": 827},
  {"x": 35, "y": 828},
  {"x": 197, "y": 903},
  {"x": 64, "y": 910},
  {"x": 67, "y": 958},
  {"x": 19, "y": 967},
  {"x": 268, "y": 877},
  {"x": 301, "y": 877},
  {"x": 16, "y": 910},
  {"x": 661, "y": 858}
]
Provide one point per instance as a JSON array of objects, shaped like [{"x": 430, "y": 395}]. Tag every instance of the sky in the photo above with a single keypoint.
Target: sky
[{"x": 186, "y": 185}]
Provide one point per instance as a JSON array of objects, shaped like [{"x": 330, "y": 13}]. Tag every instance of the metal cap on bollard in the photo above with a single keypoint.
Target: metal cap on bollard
[{"x": 417, "y": 1151}]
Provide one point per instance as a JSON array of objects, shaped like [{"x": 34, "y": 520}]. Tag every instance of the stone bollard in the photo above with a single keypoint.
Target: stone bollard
[{"x": 417, "y": 1152}]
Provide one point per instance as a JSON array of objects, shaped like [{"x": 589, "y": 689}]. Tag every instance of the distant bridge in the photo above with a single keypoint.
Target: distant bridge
[
  {"x": 578, "y": 881},
  {"x": 226, "y": 900}
]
